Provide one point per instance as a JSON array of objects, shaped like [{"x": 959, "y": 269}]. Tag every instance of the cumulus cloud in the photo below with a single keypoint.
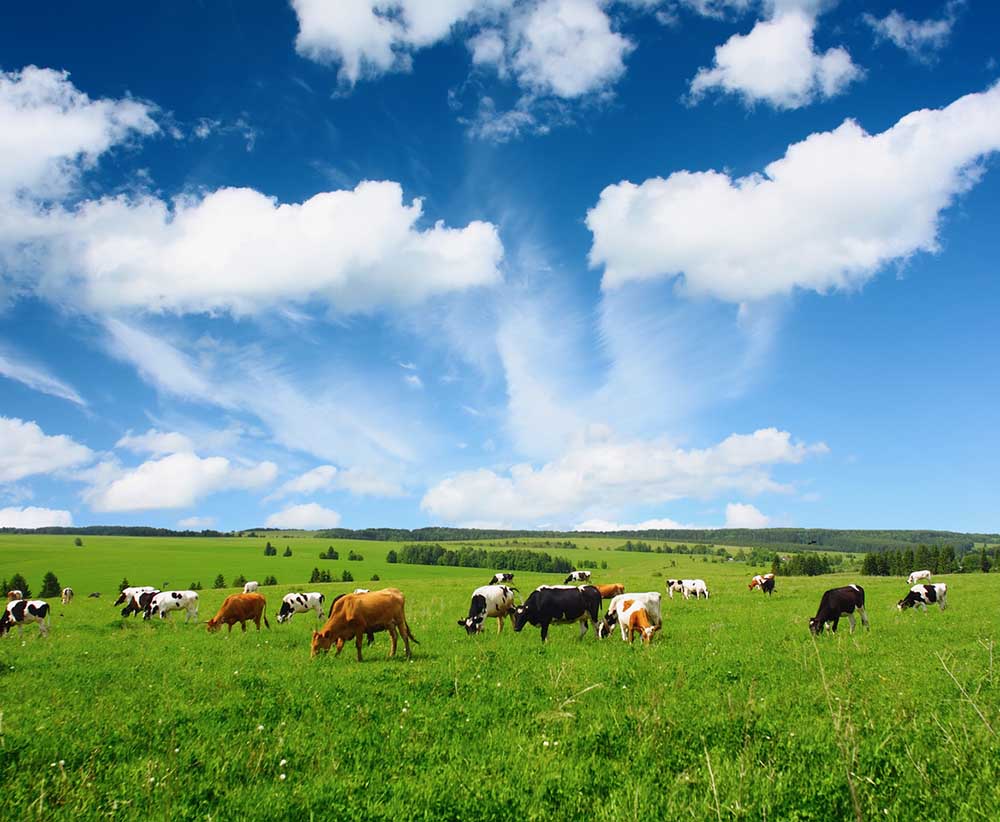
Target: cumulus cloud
[
  {"x": 601, "y": 471},
  {"x": 308, "y": 516},
  {"x": 175, "y": 481},
  {"x": 37, "y": 378},
  {"x": 155, "y": 442},
  {"x": 744, "y": 515},
  {"x": 829, "y": 214},
  {"x": 919, "y": 38},
  {"x": 25, "y": 450},
  {"x": 32, "y": 517}
]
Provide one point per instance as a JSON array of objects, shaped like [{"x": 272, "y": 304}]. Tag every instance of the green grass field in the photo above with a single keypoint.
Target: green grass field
[{"x": 734, "y": 712}]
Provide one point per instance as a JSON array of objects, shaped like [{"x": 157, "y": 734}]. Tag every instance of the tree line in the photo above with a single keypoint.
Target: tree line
[
  {"x": 516, "y": 559},
  {"x": 937, "y": 559}
]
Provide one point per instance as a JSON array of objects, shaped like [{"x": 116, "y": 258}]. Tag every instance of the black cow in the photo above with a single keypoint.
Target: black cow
[
  {"x": 767, "y": 586},
  {"x": 138, "y": 603},
  {"x": 838, "y": 602},
  {"x": 559, "y": 605},
  {"x": 502, "y": 577},
  {"x": 21, "y": 612}
]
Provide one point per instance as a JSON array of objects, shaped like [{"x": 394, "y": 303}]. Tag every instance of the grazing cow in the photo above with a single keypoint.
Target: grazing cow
[
  {"x": 688, "y": 587},
  {"x": 916, "y": 576},
  {"x": 251, "y": 587},
  {"x": 577, "y": 576},
  {"x": 635, "y": 619},
  {"x": 354, "y": 615},
  {"x": 67, "y": 596},
  {"x": 649, "y": 600},
  {"x": 241, "y": 608},
  {"x": 767, "y": 586},
  {"x": 21, "y": 612},
  {"x": 924, "y": 595},
  {"x": 488, "y": 601},
  {"x": 759, "y": 580},
  {"x": 128, "y": 593},
  {"x": 560, "y": 605},
  {"x": 838, "y": 602},
  {"x": 501, "y": 578},
  {"x": 14, "y": 594},
  {"x": 94, "y": 595},
  {"x": 293, "y": 604},
  {"x": 139, "y": 603},
  {"x": 609, "y": 591},
  {"x": 166, "y": 601}
]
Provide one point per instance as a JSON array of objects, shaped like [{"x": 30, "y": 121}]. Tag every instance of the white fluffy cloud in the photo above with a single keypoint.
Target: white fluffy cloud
[
  {"x": 645, "y": 525},
  {"x": 36, "y": 378},
  {"x": 837, "y": 207},
  {"x": 32, "y": 517},
  {"x": 155, "y": 442},
  {"x": 919, "y": 38},
  {"x": 603, "y": 472},
  {"x": 308, "y": 516},
  {"x": 744, "y": 515},
  {"x": 26, "y": 450},
  {"x": 356, "y": 480},
  {"x": 175, "y": 481},
  {"x": 777, "y": 63}
]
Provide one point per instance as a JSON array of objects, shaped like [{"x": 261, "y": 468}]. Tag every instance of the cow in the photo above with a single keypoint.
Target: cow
[
  {"x": 251, "y": 587},
  {"x": 127, "y": 593},
  {"x": 241, "y": 608},
  {"x": 354, "y": 615},
  {"x": 759, "y": 580},
  {"x": 916, "y": 576},
  {"x": 650, "y": 601},
  {"x": 838, "y": 602},
  {"x": 166, "y": 601},
  {"x": 767, "y": 586},
  {"x": 94, "y": 595},
  {"x": 560, "y": 605},
  {"x": 688, "y": 587},
  {"x": 635, "y": 618},
  {"x": 501, "y": 578},
  {"x": 488, "y": 601},
  {"x": 293, "y": 604},
  {"x": 67, "y": 596},
  {"x": 14, "y": 594},
  {"x": 609, "y": 591},
  {"x": 924, "y": 595},
  {"x": 139, "y": 602},
  {"x": 361, "y": 591},
  {"x": 21, "y": 612},
  {"x": 577, "y": 576}
]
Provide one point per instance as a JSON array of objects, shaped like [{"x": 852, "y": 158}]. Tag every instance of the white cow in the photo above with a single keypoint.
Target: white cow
[
  {"x": 292, "y": 604},
  {"x": 361, "y": 591},
  {"x": 916, "y": 576},
  {"x": 488, "y": 601},
  {"x": 688, "y": 587},
  {"x": 67, "y": 596},
  {"x": 251, "y": 587},
  {"x": 167, "y": 601},
  {"x": 924, "y": 595},
  {"x": 23, "y": 612},
  {"x": 128, "y": 593},
  {"x": 649, "y": 600}
]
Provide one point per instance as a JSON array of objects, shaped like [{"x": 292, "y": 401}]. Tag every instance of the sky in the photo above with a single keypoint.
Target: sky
[{"x": 566, "y": 264}]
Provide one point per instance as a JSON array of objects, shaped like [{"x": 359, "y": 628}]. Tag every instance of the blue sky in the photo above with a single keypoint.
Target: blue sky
[{"x": 554, "y": 263}]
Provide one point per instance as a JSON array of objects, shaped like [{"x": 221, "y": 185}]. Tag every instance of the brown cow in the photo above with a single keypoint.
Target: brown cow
[
  {"x": 240, "y": 608},
  {"x": 354, "y": 615},
  {"x": 14, "y": 594},
  {"x": 608, "y": 591}
]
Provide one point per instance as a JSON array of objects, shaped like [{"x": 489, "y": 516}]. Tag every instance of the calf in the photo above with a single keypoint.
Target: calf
[
  {"x": 14, "y": 594},
  {"x": 577, "y": 576},
  {"x": 139, "y": 602},
  {"x": 128, "y": 593},
  {"x": 635, "y": 619},
  {"x": 502, "y": 577},
  {"x": 838, "y": 602},
  {"x": 354, "y": 615},
  {"x": 293, "y": 604},
  {"x": 916, "y": 576},
  {"x": 650, "y": 601},
  {"x": 251, "y": 587},
  {"x": 548, "y": 605},
  {"x": 488, "y": 601},
  {"x": 924, "y": 595},
  {"x": 609, "y": 591},
  {"x": 166, "y": 601},
  {"x": 21, "y": 612},
  {"x": 241, "y": 608},
  {"x": 67, "y": 596},
  {"x": 688, "y": 587}
]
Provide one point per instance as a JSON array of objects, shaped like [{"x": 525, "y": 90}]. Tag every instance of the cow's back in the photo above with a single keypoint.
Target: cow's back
[{"x": 373, "y": 608}]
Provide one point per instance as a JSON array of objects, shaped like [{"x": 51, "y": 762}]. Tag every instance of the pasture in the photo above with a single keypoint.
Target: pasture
[{"x": 734, "y": 712}]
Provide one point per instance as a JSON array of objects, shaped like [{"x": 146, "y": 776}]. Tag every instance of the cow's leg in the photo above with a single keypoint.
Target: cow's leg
[
  {"x": 230, "y": 627},
  {"x": 545, "y": 630},
  {"x": 392, "y": 639},
  {"x": 583, "y": 629},
  {"x": 923, "y": 606},
  {"x": 499, "y": 624},
  {"x": 243, "y": 625},
  {"x": 256, "y": 621},
  {"x": 404, "y": 629},
  {"x": 834, "y": 623},
  {"x": 850, "y": 618},
  {"x": 357, "y": 641},
  {"x": 43, "y": 629},
  {"x": 864, "y": 618}
]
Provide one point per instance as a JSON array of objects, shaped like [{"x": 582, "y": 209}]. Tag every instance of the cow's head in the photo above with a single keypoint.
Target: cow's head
[
  {"x": 321, "y": 641},
  {"x": 520, "y": 618},
  {"x": 213, "y": 625},
  {"x": 472, "y": 625},
  {"x": 816, "y": 625},
  {"x": 906, "y": 602}
]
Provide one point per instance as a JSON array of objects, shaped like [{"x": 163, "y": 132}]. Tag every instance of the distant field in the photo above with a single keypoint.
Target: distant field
[{"x": 734, "y": 712}]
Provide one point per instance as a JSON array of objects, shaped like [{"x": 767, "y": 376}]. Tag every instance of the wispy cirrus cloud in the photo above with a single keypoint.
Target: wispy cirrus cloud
[{"x": 37, "y": 378}]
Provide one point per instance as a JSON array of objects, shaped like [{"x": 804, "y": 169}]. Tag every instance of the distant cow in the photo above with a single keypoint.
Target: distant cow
[
  {"x": 688, "y": 587},
  {"x": 14, "y": 594},
  {"x": 488, "y": 601},
  {"x": 251, "y": 587},
  {"x": 361, "y": 591},
  {"x": 166, "y": 601},
  {"x": 293, "y": 604},
  {"x": 924, "y": 595},
  {"x": 139, "y": 602},
  {"x": 609, "y": 591},
  {"x": 559, "y": 605},
  {"x": 503, "y": 577},
  {"x": 759, "y": 580},
  {"x": 241, "y": 608},
  {"x": 94, "y": 595},
  {"x": 916, "y": 576},
  {"x": 67, "y": 596},
  {"x": 767, "y": 586},
  {"x": 838, "y": 602},
  {"x": 354, "y": 615},
  {"x": 649, "y": 600},
  {"x": 127, "y": 593},
  {"x": 577, "y": 576},
  {"x": 21, "y": 612}
]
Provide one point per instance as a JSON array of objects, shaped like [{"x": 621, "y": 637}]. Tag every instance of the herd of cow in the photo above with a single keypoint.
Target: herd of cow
[{"x": 363, "y": 613}]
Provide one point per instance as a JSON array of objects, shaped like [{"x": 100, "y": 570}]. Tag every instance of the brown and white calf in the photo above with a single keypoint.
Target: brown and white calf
[
  {"x": 650, "y": 602},
  {"x": 21, "y": 612},
  {"x": 924, "y": 595},
  {"x": 635, "y": 618},
  {"x": 838, "y": 602},
  {"x": 14, "y": 594}
]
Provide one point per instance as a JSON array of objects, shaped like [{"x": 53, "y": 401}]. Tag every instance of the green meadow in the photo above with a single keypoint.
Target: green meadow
[{"x": 734, "y": 712}]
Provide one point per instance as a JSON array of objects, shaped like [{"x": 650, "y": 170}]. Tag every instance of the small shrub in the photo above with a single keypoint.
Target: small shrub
[
  {"x": 288, "y": 552},
  {"x": 315, "y": 576},
  {"x": 374, "y": 577},
  {"x": 50, "y": 586},
  {"x": 391, "y": 558},
  {"x": 220, "y": 582},
  {"x": 78, "y": 542},
  {"x": 353, "y": 557},
  {"x": 239, "y": 581},
  {"x": 270, "y": 580},
  {"x": 195, "y": 586},
  {"x": 347, "y": 576}
]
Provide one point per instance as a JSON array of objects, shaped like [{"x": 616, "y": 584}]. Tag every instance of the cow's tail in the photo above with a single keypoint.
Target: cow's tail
[
  {"x": 266, "y": 623},
  {"x": 409, "y": 632}
]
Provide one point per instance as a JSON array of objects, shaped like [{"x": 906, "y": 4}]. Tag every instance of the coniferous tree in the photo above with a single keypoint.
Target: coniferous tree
[
  {"x": 220, "y": 582},
  {"x": 124, "y": 584},
  {"x": 19, "y": 583},
  {"x": 50, "y": 586},
  {"x": 984, "y": 561}
]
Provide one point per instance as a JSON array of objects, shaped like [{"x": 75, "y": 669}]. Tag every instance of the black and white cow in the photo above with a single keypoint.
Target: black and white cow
[
  {"x": 139, "y": 602},
  {"x": 924, "y": 595},
  {"x": 488, "y": 601},
  {"x": 501, "y": 578},
  {"x": 577, "y": 576},
  {"x": 767, "y": 586},
  {"x": 838, "y": 602},
  {"x": 166, "y": 601},
  {"x": 688, "y": 587},
  {"x": 128, "y": 593},
  {"x": 23, "y": 612},
  {"x": 293, "y": 604},
  {"x": 560, "y": 605}
]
